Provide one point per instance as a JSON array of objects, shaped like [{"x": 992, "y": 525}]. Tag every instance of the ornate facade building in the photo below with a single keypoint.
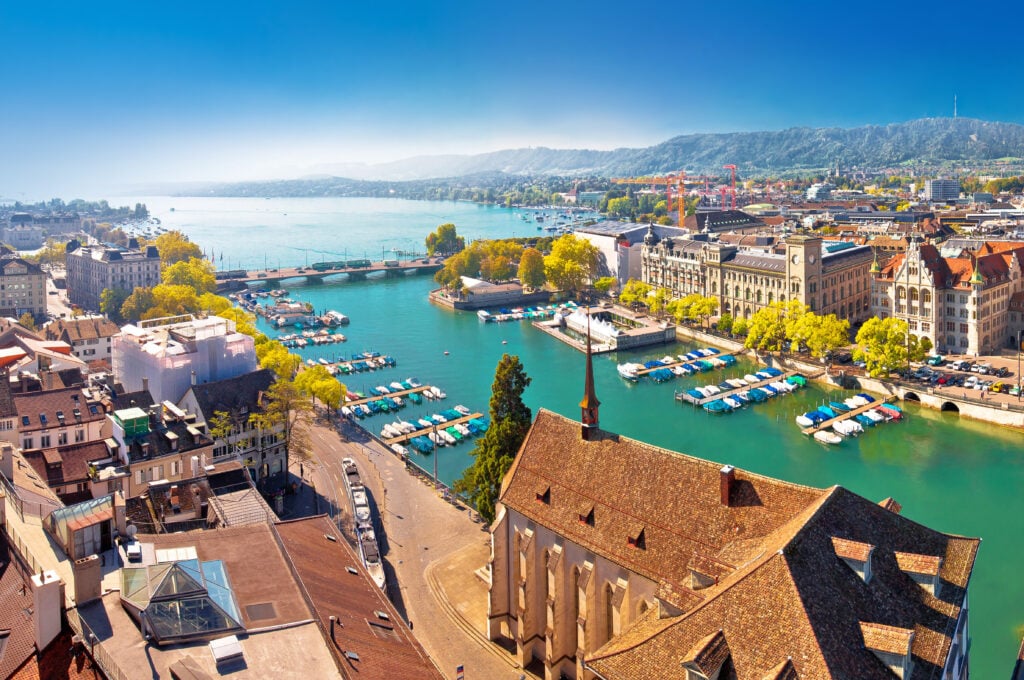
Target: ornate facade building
[
  {"x": 962, "y": 304},
  {"x": 831, "y": 278},
  {"x": 611, "y": 558},
  {"x": 91, "y": 269}
]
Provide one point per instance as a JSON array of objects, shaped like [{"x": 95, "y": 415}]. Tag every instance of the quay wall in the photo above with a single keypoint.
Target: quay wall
[
  {"x": 984, "y": 410},
  {"x": 441, "y": 298}
]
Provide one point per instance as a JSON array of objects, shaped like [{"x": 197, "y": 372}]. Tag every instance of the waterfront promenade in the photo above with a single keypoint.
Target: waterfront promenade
[
  {"x": 433, "y": 551},
  {"x": 273, "y": 277}
]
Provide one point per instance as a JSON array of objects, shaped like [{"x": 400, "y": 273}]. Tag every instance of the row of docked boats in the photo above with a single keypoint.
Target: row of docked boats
[
  {"x": 536, "y": 313},
  {"x": 363, "y": 521},
  {"x": 739, "y": 392},
  {"x": 441, "y": 434},
  {"x": 846, "y": 423},
  {"x": 311, "y": 338},
  {"x": 668, "y": 367}
]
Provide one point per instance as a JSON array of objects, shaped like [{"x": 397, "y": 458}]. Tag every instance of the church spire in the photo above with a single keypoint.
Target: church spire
[
  {"x": 875, "y": 268},
  {"x": 590, "y": 402}
]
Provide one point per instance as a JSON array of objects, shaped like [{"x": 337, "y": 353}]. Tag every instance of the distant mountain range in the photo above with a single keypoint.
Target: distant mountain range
[{"x": 926, "y": 141}]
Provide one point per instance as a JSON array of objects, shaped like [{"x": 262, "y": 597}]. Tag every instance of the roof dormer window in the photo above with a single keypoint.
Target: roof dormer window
[
  {"x": 544, "y": 496},
  {"x": 637, "y": 540},
  {"x": 924, "y": 570},
  {"x": 588, "y": 517},
  {"x": 891, "y": 645},
  {"x": 857, "y": 556}
]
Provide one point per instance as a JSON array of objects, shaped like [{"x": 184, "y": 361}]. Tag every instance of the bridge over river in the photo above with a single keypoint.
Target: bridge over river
[{"x": 316, "y": 273}]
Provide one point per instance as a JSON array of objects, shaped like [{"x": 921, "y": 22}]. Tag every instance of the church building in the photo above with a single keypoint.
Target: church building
[{"x": 614, "y": 559}]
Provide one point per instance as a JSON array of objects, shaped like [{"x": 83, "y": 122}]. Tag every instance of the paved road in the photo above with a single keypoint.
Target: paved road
[{"x": 421, "y": 531}]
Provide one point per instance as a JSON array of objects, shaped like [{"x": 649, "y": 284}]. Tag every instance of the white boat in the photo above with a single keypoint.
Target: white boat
[
  {"x": 436, "y": 438},
  {"x": 463, "y": 430},
  {"x": 628, "y": 371},
  {"x": 751, "y": 379},
  {"x": 438, "y": 393},
  {"x": 414, "y": 382},
  {"x": 735, "y": 403},
  {"x": 387, "y": 432},
  {"x": 847, "y": 428},
  {"x": 399, "y": 449},
  {"x": 736, "y": 382},
  {"x": 462, "y": 409},
  {"x": 859, "y": 401},
  {"x": 438, "y": 418},
  {"x": 406, "y": 426},
  {"x": 666, "y": 360},
  {"x": 382, "y": 390},
  {"x": 396, "y": 386},
  {"x": 423, "y": 422},
  {"x": 712, "y": 389},
  {"x": 826, "y": 437},
  {"x": 875, "y": 415},
  {"x": 448, "y": 437},
  {"x": 804, "y": 421},
  {"x": 346, "y": 411}
]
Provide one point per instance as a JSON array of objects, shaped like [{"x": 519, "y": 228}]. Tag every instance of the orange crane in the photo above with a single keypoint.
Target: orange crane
[
  {"x": 733, "y": 169},
  {"x": 676, "y": 180}
]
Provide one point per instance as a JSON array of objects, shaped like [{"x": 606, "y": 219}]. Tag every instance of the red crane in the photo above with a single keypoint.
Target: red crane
[{"x": 733, "y": 169}]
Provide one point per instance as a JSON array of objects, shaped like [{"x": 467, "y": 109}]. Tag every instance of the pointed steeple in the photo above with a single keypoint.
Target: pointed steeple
[
  {"x": 590, "y": 403},
  {"x": 875, "y": 268},
  {"x": 976, "y": 277}
]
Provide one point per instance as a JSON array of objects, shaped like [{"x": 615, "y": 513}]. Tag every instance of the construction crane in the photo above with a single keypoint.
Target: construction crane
[
  {"x": 733, "y": 169},
  {"x": 676, "y": 180}
]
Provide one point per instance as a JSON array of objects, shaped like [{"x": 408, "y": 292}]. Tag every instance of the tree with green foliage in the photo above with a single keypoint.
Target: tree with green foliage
[
  {"x": 53, "y": 252},
  {"x": 284, "y": 404},
  {"x": 317, "y": 383},
  {"x": 634, "y": 293},
  {"x": 192, "y": 272},
  {"x": 174, "y": 247},
  {"x": 277, "y": 358},
  {"x": 27, "y": 320},
  {"x": 531, "y": 269},
  {"x": 606, "y": 284},
  {"x": 620, "y": 207},
  {"x": 822, "y": 335},
  {"x": 137, "y": 304},
  {"x": 740, "y": 326},
  {"x": 767, "y": 330},
  {"x": 725, "y": 323},
  {"x": 445, "y": 241},
  {"x": 887, "y": 344},
  {"x": 111, "y": 300},
  {"x": 572, "y": 263},
  {"x": 703, "y": 308},
  {"x": 658, "y": 300},
  {"x": 494, "y": 452}
]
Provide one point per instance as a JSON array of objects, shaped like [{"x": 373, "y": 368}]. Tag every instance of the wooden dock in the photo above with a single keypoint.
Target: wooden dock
[
  {"x": 426, "y": 430},
  {"x": 825, "y": 424},
  {"x": 376, "y": 397},
  {"x": 644, "y": 371},
  {"x": 683, "y": 396}
]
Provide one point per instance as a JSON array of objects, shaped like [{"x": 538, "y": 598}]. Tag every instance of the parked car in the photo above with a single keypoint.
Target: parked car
[
  {"x": 971, "y": 382},
  {"x": 945, "y": 379},
  {"x": 936, "y": 360},
  {"x": 1003, "y": 372}
]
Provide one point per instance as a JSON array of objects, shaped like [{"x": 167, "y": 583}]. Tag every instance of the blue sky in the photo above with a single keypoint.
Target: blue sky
[{"x": 112, "y": 95}]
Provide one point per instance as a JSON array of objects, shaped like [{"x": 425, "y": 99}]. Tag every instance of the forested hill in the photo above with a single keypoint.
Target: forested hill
[{"x": 926, "y": 141}]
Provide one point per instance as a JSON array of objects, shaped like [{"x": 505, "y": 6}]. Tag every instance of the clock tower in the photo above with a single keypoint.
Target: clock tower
[
  {"x": 803, "y": 267},
  {"x": 590, "y": 403}
]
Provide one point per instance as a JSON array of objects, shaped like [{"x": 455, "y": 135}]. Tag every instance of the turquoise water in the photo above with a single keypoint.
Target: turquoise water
[{"x": 950, "y": 474}]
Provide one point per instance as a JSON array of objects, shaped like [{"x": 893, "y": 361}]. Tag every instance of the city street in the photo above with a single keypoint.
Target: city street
[{"x": 428, "y": 543}]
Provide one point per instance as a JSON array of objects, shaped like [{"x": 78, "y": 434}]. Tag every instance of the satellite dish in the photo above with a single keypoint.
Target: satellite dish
[{"x": 131, "y": 531}]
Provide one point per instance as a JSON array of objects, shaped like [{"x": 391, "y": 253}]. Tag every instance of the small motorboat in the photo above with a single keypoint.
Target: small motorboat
[{"x": 826, "y": 437}]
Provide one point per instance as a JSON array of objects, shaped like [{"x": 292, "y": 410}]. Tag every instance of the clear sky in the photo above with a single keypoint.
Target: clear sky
[{"x": 102, "y": 96}]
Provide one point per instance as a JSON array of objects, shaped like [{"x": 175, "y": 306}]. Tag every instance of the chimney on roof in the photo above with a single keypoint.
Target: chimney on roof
[
  {"x": 727, "y": 476},
  {"x": 193, "y": 378},
  {"x": 88, "y": 575},
  {"x": 145, "y": 384},
  {"x": 46, "y": 606}
]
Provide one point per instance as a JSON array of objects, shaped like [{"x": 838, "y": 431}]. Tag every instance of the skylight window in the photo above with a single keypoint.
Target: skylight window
[
  {"x": 25, "y": 420},
  {"x": 92, "y": 409},
  {"x": 42, "y": 418}
]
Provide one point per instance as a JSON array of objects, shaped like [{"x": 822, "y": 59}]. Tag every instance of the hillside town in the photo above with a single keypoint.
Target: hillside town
[{"x": 184, "y": 497}]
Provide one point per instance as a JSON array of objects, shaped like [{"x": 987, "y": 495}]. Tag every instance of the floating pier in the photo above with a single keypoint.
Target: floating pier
[
  {"x": 396, "y": 393},
  {"x": 427, "y": 430},
  {"x": 690, "y": 399},
  {"x": 825, "y": 424}
]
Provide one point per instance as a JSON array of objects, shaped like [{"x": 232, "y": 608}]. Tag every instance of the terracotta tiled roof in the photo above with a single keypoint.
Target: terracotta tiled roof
[
  {"x": 784, "y": 671},
  {"x": 852, "y": 550},
  {"x": 75, "y": 330},
  {"x": 803, "y": 603},
  {"x": 629, "y": 483},
  {"x": 386, "y": 647},
  {"x": 74, "y": 462},
  {"x": 919, "y": 564},
  {"x": 886, "y": 638},
  {"x": 15, "y": 611},
  {"x": 36, "y": 405},
  {"x": 709, "y": 654}
]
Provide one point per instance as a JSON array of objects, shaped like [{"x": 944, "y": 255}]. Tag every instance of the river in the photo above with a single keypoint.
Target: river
[{"x": 953, "y": 475}]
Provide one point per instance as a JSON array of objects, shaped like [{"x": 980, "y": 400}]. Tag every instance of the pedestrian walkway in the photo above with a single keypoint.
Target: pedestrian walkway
[{"x": 432, "y": 550}]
